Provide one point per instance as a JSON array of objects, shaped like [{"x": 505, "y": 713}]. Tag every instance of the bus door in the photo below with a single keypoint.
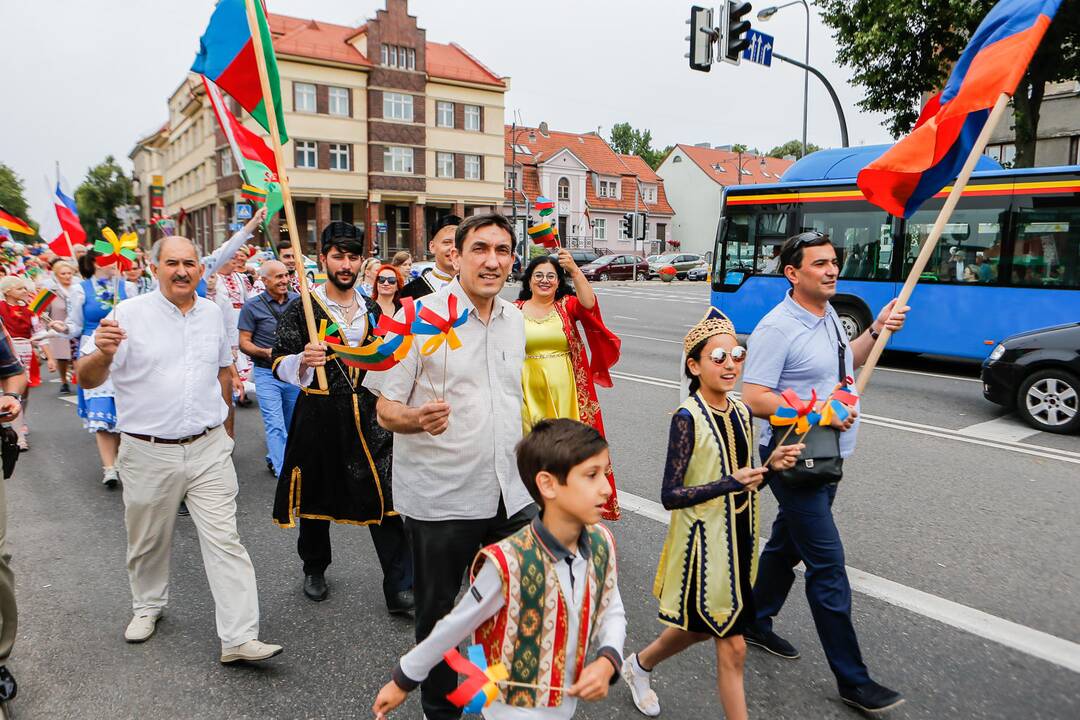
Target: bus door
[{"x": 747, "y": 283}]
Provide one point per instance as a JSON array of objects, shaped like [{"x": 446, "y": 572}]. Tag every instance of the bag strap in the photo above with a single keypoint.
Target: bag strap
[
  {"x": 841, "y": 352},
  {"x": 270, "y": 307}
]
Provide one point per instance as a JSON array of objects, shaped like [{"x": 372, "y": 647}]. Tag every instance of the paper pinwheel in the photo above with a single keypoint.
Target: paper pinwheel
[
  {"x": 116, "y": 251},
  {"x": 837, "y": 404},
  {"x": 801, "y": 415},
  {"x": 402, "y": 329},
  {"x": 544, "y": 206},
  {"x": 440, "y": 328},
  {"x": 479, "y": 688}
]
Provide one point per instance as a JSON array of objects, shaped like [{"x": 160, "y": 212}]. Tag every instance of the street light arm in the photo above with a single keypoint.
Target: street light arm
[{"x": 829, "y": 87}]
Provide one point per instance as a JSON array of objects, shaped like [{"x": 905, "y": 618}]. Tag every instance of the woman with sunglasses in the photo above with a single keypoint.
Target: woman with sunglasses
[
  {"x": 705, "y": 579},
  {"x": 387, "y": 292},
  {"x": 558, "y": 379}
]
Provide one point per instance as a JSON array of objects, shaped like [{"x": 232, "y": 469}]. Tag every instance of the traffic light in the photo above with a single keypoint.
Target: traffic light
[
  {"x": 701, "y": 37},
  {"x": 628, "y": 225},
  {"x": 733, "y": 31},
  {"x": 643, "y": 231}
]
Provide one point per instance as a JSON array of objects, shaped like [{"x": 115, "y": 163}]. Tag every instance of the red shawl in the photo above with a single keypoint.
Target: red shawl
[{"x": 589, "y": 372}]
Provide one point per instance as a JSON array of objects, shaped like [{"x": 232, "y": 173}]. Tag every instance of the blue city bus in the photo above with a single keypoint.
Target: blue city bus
[{"x": 1008, "y": 261}]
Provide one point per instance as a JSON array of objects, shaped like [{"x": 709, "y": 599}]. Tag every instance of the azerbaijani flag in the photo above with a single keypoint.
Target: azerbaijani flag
[
  {"x": 256, "y": 161},
  {"x": 11, "y": 222},
  {"x": 227, "y": 56},
  {"x": 917, "y": 167},
  {"x": 42, "y": 300}
]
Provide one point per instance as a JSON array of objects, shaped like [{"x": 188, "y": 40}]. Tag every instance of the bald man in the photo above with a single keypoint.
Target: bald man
[{"x": 258, "y": 328}]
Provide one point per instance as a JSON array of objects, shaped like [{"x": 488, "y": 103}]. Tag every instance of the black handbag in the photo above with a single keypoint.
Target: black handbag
[
  {"x": 9, "y": 449},
  {"x": 820, "y": 463}
]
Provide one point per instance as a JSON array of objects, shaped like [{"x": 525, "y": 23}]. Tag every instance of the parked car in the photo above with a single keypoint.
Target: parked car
[
  {"x": 683, "y": 262},
  {"x": 1038, "y": 374},
  {"x": 616, "y": 267},
  {"x": 583, "y": 257},
  {"x": 701, "y": 272}
]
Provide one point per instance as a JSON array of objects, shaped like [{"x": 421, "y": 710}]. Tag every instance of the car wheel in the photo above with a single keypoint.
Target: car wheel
[
  {"x": 680, "y": 276},
  {"x": 604, "y": 277},
  {"x": 1049, "y": 400},
  {"x": 852, "y": 320}
]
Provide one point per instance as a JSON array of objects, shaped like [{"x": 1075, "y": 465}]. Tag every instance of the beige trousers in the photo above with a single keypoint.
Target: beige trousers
[
  {"x": 9, "y": 612},
  {"x": 156, "y": 478}
]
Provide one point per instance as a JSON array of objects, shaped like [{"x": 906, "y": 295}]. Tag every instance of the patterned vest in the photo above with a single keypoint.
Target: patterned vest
[{"x": 529, "y": 634}]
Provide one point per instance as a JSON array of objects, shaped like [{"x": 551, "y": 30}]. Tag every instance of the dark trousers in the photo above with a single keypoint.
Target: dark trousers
[
  {"x": 442, "y": 551},
  {"x": 804, "y": 531},
  {"x": 391, "y": 545}
]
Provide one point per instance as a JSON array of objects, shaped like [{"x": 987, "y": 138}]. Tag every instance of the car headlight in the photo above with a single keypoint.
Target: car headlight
[{"x": 996, "y": 353}]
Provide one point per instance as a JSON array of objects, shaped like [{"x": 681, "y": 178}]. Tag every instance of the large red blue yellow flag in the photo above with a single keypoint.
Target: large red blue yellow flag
[{"x": 917, "y": 167}]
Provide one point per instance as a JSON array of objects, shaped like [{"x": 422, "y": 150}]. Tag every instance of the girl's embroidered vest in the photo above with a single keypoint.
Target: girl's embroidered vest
[
  {"x": 528, "y": 635},
  {"x": 699, "y": 536}
]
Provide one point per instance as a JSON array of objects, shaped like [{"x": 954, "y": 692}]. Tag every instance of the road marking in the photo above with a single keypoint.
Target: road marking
[
  {"x": 624, "y": 317},
  {"x": 74, "y": 400},
  {"x": 1042, "y": 451},
  {"x": 1059, "y": 651},
  {"x": 647, "y": 337},
  {"x": 1001, "y": 428},
  {"x": 930, "y": 374}
]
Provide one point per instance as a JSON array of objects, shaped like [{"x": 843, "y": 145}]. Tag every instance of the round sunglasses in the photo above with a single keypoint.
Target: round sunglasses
[{"x": 720, "y": 355}]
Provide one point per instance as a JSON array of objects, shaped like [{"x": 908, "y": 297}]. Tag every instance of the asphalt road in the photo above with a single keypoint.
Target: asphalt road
[{"x": 962, "y": 544}]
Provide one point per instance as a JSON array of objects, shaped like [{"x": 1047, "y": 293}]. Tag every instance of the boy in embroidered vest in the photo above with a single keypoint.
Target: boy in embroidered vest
[
  {"x": 544, "y": 600},
  {"x": 705, "y": 581}
]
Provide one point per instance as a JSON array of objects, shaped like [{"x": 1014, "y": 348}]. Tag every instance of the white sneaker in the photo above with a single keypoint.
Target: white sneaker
[
  {"x": 141, "y": 628},
  {"x": 110, "y": 477},
  {"x": 251, "y": 651},
  {"x": 644, "y": 698}
]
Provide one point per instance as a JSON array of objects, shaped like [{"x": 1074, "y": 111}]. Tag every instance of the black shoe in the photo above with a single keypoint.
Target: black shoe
[
  {"x": 400, "y": 603},
  {"x": 771, "y": 642},
  {"x": 65, "y": 390},
  {"x": 315, "y": 587},
  {"x": 270, "y": 467},
  {"x": 183, "y": 511},
  {"x": 8, "y": 687},
  {"x": 871, "y": 697}
]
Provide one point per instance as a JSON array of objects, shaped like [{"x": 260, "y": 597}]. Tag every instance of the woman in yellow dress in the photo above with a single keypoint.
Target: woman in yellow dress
[{"x": 559, "y": 379}]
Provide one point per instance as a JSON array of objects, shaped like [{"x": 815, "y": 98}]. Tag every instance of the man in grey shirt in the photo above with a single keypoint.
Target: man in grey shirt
[
  {"x": 800, "y": 345},
  {"x": 456, "y": 415}
]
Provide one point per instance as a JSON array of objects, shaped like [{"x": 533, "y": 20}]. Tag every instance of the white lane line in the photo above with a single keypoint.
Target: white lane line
[
  {"x": 647, "y": 337},
  {"x": 624, "y": 317},
  {"x": 74, "y": 400},
  {"x": 917, "y": 428},
  {"x": 1059, "y": 651},
  {"x": 930, "y": 374},
  {"x": 1004, "y": 428}
]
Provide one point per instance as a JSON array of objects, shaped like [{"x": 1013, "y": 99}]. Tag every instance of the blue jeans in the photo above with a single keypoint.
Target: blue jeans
[
  {"x": 804, "y": 531},
  {"x": 276, "y": 402}
]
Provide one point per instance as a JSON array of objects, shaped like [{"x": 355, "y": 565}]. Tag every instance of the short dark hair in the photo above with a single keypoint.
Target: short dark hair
[
  {"x": 481, "y": 221},
  {"x": 562, "y": 290},
  {"x": 282, "y": 245},
  {"x": 694, "y": 354},
  {"x": 791, "y": 252},
  {"x": 444, "y": 221},
  {"x": 556, "y": 446},
  {"x": 344, "y": 236}
]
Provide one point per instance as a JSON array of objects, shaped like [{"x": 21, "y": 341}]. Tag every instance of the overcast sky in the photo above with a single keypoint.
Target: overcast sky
[{"x": 85, "y": 79}]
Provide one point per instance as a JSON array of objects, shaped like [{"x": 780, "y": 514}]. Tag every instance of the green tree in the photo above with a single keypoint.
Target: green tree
[
  {"x": 739, "y": 148},
  {"x": 13, "y": 197},
  {"x": 900, "y": 49},
  {"x": 105, "y": 188},
  {"x": 629, "y": 141},
  {"x": 792, "y": 147}
]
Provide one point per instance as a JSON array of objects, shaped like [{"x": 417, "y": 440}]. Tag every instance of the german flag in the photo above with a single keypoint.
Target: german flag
[
  {"x": 250, "y": 192},
  {"x": 9, "y": 221}
]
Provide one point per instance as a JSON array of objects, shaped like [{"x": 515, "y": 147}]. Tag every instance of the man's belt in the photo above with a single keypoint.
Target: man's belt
[{"x": 171, "y": 441}]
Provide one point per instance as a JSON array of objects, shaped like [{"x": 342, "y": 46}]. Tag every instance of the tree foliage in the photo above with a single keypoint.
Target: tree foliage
[
  {"x": 792, "y": 147},
  {"x": 105, "y": 188},
  {"x": 900, "y": 49},
  {"x": 629, "y": 141},
  {"x": 13, "y": 195}
]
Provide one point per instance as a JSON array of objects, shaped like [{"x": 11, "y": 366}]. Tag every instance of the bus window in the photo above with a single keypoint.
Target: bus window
[
  {"x": 1047, "y": 248},
  {"x": 862, "y": 238},
  {"x": 772, "y": 231},
  {"x": 969, "y": 249}
]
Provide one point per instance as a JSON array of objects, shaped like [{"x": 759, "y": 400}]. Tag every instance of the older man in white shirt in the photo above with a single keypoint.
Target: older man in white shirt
[{"x": 170, "y": 362}]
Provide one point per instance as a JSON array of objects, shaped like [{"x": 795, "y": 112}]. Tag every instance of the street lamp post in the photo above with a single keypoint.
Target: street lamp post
[
  {"x": 518, "y": 182},
  {"x": 768, "y": 13}
]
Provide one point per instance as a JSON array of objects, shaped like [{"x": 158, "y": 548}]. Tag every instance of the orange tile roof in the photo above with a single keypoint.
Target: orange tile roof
[
  {"x": 328, "y": 41},
  {"x": 707, "y": 158},
  {"x": 639, "y": 167}
]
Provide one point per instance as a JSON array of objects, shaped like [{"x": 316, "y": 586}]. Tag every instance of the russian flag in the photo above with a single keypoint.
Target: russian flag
[{"x": 918, "y": 166}]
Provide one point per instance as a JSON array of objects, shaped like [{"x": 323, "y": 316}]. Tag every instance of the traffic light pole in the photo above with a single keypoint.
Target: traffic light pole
[
  {"x": 633, "y": 230},
  {"x": 829, "y": 87}
]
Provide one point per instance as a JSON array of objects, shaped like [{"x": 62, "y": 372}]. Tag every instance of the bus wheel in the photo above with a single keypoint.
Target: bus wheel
[
  {"x": 1049, "y": 400},
  {"x": 853, "y": 320}
]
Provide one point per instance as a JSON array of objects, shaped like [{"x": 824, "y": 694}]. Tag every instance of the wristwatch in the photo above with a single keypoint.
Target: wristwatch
[{"x": 874, "y": 334}]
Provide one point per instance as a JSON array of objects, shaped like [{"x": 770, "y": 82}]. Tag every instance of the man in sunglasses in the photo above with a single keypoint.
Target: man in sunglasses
[{"x": 800, "y": 345}]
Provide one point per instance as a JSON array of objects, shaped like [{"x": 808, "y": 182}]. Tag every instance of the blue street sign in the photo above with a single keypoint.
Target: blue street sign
[
  {"x": 243, "y": 211},
  {"x": 236, "y": 227},
  {"x": 760, "y": 49}
]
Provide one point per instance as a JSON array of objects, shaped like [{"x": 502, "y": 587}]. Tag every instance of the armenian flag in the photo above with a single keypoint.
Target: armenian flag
[
  {"x": 42, "y": 301},
  {"x": 11, "y": 222},
  {"x": 227, "y": 57},
  {"x": 917, "y": 167}
]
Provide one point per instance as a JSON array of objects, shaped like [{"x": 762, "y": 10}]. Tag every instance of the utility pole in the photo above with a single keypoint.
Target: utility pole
[{"x": 633, "y": 226}]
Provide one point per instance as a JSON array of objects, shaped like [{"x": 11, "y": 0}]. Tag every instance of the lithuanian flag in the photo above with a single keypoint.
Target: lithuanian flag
[
  {"x": 42, "y": 300},
  {"x": 13, "y": 223}
]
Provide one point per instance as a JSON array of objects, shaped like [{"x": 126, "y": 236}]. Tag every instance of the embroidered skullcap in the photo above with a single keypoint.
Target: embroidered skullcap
[{"x": 714, "y": 323}]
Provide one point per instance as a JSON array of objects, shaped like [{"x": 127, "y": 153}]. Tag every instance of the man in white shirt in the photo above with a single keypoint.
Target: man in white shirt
[{"x": 170, "y": 362}]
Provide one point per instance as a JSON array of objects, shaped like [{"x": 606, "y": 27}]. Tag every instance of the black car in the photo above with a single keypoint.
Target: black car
[
  {"x": 583, "y": 257},
  {"x": 1038, "y": 374}
]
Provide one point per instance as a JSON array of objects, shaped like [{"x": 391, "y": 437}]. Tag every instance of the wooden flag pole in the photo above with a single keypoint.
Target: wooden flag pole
[
  {"x": 283, "y": 180},
  {"x": 935, "y": 234}
]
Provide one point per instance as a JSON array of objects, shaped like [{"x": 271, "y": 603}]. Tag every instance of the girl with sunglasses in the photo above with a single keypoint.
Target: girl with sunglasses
[
  {"x": 705, "y": 578},
  {"x": 387, "y": 289}
]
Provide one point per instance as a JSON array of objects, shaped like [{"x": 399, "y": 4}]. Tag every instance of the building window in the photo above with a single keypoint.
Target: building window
[
  {"x": 608, "y": 189},
  {"x": 599, "y": 229},
  {"x": 303, "y": 97},
  {"x": 444, "y": 165},
  {"x": 398, "y": 57},
  {"x": 398, "y": 160},
  {"x": 339, "y": 101},
  {"x": 339, "y": 156},
  {"x": 472, "y": 167},
  {"x": 1074, "y": 150},
  {"x": 1004, "y": 153},
  {"x": 661, "y": 232},
  {"x": 472, "y": 117},
  {"x": 412, "y": 59},
  {"x": 226, "y": 163},
  {"x": 397, "y": 106},
  {"x": 306, "y": 154},
  {"x": 444, "y": 114},
  {"x": 564, "y": 189},
  {"x": 511, "y": 179}
]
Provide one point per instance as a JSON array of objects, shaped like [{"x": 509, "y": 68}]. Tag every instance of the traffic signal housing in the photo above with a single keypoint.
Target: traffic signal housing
[
  {"x": 643, "y": 228},
  {"x": 701, "y": 38},
  {"x": 628, "y": 225},
  {"x": 733, "y": 29}
]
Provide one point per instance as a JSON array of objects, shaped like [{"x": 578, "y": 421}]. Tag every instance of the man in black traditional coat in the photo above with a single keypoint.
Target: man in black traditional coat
[
  {"x": 338, "y": 459},
  {"x": 442, "y": 247}
]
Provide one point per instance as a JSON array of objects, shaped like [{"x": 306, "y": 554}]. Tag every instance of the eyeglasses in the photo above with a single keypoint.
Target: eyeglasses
[
  {"x": 720, "y": 355},
  {"x": 545, "y": 276},
  {"x": 386, "y": 280}
]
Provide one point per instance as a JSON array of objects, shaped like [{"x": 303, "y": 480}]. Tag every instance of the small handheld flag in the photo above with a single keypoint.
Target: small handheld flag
[
  {"x": 441, "y": 328},
  {"x": 544, "y": 206},
  {"x": 15, "y": 224},
  {"x": 544, "y": 234},
  {"x": 42, "y": 301}
]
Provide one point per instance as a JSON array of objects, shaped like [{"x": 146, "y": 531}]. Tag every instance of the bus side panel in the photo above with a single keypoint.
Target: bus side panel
[{"x": 755, "y": 297}]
